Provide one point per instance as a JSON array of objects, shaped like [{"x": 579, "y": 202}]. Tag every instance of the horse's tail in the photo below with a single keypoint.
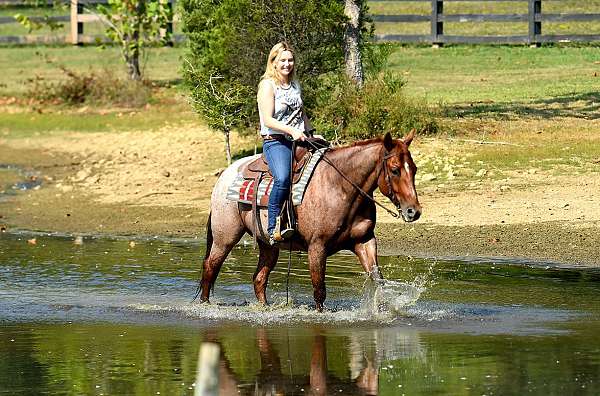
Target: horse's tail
[{"x": 209, "y": 243}]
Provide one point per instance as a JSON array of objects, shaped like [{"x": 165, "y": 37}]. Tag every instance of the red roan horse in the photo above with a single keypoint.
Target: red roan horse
[{"x": 333, "y": 215}]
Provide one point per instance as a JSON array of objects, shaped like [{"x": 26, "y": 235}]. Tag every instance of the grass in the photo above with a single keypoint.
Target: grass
[
  {"x": 493, "y": 75},
  {"x": 22, "y": 63},
  {"x": 544, "y": 101},
  {"x": 32, "y": 123},
  {"x": 19, "y": 64}
]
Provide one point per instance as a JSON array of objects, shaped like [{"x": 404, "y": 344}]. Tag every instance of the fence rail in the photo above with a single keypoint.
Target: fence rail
[
  {"x": 80, "y": 15},
  {"x": 534, "y": 17}
]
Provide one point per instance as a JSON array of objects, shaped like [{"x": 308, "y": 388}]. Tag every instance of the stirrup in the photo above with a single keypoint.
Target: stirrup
[
  {"x": 287, "y": 233},
  {"x": 279, "y": 234}
]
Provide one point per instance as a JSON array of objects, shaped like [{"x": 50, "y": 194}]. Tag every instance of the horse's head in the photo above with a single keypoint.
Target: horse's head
[{"x": 397, "y": 176}]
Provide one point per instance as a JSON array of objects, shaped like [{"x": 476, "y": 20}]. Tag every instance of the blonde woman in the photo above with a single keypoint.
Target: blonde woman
[{"x": 281, "y": 121}]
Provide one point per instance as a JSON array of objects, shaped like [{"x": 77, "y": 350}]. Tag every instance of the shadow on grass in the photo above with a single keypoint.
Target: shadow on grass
[
  {"x": 173, "y": 82},
  {"x": 245, "y": 153},
  {"x": 582, "y": 105}
]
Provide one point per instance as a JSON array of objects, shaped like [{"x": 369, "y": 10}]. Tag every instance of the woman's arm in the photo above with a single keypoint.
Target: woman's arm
[{"x": 266, "y": 107}]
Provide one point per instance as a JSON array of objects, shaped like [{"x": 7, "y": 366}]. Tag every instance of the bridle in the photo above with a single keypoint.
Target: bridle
[{"x": 388, "y": 180}]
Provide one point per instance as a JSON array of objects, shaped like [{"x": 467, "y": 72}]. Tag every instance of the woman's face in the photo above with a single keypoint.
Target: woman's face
[{"x": 285, "y": 63}]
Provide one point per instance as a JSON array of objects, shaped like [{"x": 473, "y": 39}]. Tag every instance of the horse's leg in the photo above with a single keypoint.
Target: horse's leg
[
  {"x": 367, "y": 255},
  {"x": 317, "y": 259},
  {"x": 266, "y": 262},
  {"x": 220, "y": 241}
]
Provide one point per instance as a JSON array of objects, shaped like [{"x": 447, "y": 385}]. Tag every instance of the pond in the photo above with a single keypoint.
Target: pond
[{"x": 100, "y": 316}]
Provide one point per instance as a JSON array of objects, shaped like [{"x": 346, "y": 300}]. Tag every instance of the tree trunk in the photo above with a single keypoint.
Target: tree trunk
[
  {"x": 227, "y": 147},
  {"x": 133, "y": 61},
  {"x": 133, "y": 65},
  {"x": 354, "y": 69}
]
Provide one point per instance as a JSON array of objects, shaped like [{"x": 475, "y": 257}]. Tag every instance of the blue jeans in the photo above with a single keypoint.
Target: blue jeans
[{"x": 278, "y": 154}]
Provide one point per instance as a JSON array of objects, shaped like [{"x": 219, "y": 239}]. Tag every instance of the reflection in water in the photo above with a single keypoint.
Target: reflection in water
[
  {"x": 308, "y": 370},
  {"x": 106, "y": 318}
]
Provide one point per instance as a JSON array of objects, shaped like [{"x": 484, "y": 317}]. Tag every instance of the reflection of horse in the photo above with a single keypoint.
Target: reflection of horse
[
  {"x": 334, "y": 214},
  {"x": 277, "y": 376}
]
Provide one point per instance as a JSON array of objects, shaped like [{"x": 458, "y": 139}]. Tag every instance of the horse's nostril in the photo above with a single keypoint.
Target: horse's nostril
[{"x": 410, "y": 212}]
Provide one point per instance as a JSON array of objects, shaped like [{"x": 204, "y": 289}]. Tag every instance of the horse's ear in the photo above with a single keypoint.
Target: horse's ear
[
  {"x": 409, "y": 138},
  {"x": 388, "y": 142}
]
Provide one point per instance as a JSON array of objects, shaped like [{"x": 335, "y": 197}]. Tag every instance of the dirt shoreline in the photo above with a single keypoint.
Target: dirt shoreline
[{"x": 119, "y": 185}]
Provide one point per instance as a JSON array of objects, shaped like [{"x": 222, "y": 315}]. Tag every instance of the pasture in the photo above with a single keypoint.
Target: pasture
[{"x": 493, "y": 291}]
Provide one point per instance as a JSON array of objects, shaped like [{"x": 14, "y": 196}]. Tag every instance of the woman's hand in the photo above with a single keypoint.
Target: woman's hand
[{"x": 297, "y": 134}]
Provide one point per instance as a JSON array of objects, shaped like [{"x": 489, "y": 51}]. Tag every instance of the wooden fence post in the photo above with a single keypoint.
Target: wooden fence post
[
  {"x": 207, "y": 373},
  {"x": 535, "y": 25},
  {"x": 437, "y": 26},
  {"x": 76, "y": 26}
]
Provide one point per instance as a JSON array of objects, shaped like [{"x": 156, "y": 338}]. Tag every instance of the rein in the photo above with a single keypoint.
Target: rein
[{"x": 356, "y": 186}]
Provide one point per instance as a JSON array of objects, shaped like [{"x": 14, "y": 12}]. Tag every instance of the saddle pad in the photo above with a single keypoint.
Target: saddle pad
[{"x": 243, "y": 190}]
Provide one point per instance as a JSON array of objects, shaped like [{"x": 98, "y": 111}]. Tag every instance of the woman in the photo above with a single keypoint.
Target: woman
[{"x": 281, "y": 121}]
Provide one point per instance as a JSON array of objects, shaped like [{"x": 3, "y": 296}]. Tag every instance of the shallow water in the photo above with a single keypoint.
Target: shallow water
[{"x": 115, "y": 317}]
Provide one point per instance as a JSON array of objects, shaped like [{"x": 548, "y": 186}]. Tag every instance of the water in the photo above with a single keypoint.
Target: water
[
  {"x": 113, "y": 317},
  {"x": 14, "y": 179}
]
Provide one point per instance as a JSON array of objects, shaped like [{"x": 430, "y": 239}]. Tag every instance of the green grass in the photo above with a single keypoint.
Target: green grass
[
  {"x": 23, "y": 124},
  {"x": 18, "y": 64},
  {"x": 550, "y": 80}
]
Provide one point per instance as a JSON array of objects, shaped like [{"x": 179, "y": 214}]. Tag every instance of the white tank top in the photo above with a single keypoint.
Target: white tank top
[{"x": 288, "y": 108}]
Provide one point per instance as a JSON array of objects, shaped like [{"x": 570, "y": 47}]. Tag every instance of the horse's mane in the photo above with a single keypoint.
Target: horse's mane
[{"x": 359, "y": 143}]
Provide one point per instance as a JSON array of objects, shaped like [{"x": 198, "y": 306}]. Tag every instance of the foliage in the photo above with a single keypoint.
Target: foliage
[
  {"x": 234, "y": 37},
  {"x": 345, "y": 113},
  {"x": 219, "y": 101},
  {"x": 46, "y": 20},
  {"x": 135, "y": 25},
  {"x": 98, "y": 88}
]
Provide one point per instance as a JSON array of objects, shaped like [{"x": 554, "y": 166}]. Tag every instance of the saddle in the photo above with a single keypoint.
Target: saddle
[
  {"x": 258, "y": 169},
  {"x": 259, "y": 166}
]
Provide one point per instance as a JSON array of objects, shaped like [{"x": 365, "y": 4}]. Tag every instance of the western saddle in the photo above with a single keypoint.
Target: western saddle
[{"x": 259, "y": 169}]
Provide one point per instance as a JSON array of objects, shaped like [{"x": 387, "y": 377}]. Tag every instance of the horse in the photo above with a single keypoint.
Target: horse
[{"x": 337, "y": 212}]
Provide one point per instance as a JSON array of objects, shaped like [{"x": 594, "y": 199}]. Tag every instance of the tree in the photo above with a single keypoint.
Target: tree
[
  {"x": 132, "y": 24},
  {"x": 234, "y": 37},
  {"x": 219, "y": 101},
  {"x": 135, "y": 25}
]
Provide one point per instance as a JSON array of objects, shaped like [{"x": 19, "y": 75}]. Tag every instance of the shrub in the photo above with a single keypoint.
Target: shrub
[
  {"x": 92, "y": 88},
  {"x": 344, "y": 113},
  {"x": 234, "y": 37}
]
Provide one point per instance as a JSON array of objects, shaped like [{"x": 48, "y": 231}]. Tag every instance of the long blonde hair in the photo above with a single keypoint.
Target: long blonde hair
[{"x": 271, "y": 71}]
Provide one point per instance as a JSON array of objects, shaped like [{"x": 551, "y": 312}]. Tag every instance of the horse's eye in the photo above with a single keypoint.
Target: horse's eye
[{"x": 395, "y": 171}]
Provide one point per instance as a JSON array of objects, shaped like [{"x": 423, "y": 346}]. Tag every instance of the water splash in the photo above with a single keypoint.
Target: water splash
[
  {"x": 387, "y": 298},
  {"x": 382, "y": 302},
  {"x": 260, "y": 315},
  {"x": 390, "y": 298}
]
